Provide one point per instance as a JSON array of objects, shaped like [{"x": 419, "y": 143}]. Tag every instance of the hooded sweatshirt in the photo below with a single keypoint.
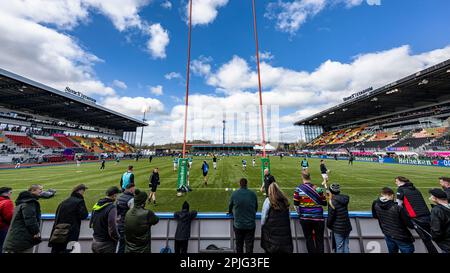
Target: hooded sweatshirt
[
  {"x": 184, "y": 219},
  {"x": 392, "y": 219},
  {"x": 103, "y": 220}
]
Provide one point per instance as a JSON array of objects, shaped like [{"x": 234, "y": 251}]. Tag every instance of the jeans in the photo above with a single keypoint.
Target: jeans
[
  {"x": 246, "y": 236},
  {"x": 3, "y": 233},
  {"x": 342, "y": 242},
  {"x": 394, "y": 245},
  {"x": 181, "y": 246},
  {"x": 121, "y": 243},
  {"x": 314, "y": 242}
]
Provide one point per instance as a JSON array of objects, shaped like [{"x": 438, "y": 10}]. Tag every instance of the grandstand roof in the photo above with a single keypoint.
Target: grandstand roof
[
  {"x": 426, "y": 87},
  {"x": 22, "y": 94}
]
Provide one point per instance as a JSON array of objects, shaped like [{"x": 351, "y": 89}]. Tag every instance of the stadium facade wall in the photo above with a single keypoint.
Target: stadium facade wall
[{"x": 217, "y": 228}]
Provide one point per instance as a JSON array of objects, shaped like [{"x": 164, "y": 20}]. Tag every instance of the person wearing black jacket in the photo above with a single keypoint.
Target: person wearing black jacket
[
  {"x": 394, "y": 223},
  {"x": 104, "y": 223},
  {"x": 440, "y": 219},
  {"x": 411, "y": 200},
  {"x": 268, "y": 179},
  {"x": 24, "y": 231},
  {"x": 276, "y": 235},
  {"x": 153, "y": 185},
  {"x": 183, "y": 232},
  {"x": 338, "y": 220},
  {"x": 124, "y": 203},
  {"x": 71, "y": 211},
  {"x": 445, "y": 184}
]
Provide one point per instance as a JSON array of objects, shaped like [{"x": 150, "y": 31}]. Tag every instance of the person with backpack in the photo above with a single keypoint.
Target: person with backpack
[
  {"x": 124, "y": 203},
  {"x": 24, "y": 231},
  {"x": 412, "y": 201},
  {"x": 6, "y": 213},
  {"x": 153, "y": 185},
  {"x": 104, "y": 223},
  {"x": 338, "y": 220},
  {"x": 183, "y": 232},
  {"x": 205, "y": 169},
  {"x": 127, "y": 178},
  {"x": 309, "y": 201},
  {"x": 394, "y": 223},
  {"x": 138, "y": 222},
  {"x": 276, "y": 236},
  {"x": 440, "y": 219},
  {"x": 69, "y": 215}
]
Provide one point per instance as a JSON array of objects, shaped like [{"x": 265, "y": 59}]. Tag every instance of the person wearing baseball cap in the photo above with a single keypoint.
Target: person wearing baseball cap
[
  {"x": 440, "y": 219},
  {"x": 104, "y": 223},
  {"x": 71, "y": 211}
]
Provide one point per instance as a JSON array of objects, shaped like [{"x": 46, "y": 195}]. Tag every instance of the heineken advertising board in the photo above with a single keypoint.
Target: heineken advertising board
[
  {"x": 265, "y": 164},
  {"x": 182, "y": 172}
]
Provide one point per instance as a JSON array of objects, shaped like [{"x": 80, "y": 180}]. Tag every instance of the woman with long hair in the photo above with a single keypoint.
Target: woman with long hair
[{"x": 276, "y": 236}]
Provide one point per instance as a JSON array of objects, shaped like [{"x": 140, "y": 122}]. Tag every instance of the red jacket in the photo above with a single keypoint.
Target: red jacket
[{"x": 6, "y": 211}]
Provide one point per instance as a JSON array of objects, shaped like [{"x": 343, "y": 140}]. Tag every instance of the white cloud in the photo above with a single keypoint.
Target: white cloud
[
  {"x": 201, "y": 66},
  {"x": 120, "y": 84},
  {"x": 159, "y": 39},
  {"x": 166, "y": 4},
  {"x": 156, "y": 90},
  {"x": 173, "y": 75},
  {"x": 264, "y": 56},
  {"x": 290, "y": 16},
  {"x": 47, "y": 56},
  {"x": 122, "y": 13},
  {"x": 204, "y": 11},
  {"x": 133, "y": 106}
]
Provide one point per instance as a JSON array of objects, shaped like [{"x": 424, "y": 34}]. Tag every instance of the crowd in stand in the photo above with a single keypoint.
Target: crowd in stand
[{"x": 122, "y": 224}]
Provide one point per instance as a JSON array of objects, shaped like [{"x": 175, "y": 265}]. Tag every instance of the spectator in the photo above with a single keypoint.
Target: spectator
[
  {"x": 243, "y": 205},
  {"x": 154, "y": 182},
  {"x": 103, "y": 221},
  {"x": 124, "y": 203},
  {"x": 445, "y": 184},
  {"x": 440, "y": 219},
  {"x": 70, "y": 212},
  {"x": 268, "y": 179},
  {"x": 338, "y": 220},
  {"x": 394, "y": 223},
  {"x": 276, "y": 236},
  {"x": 183, "y": 232},
  {"x": 24, "y": 231},
  {"x": 308, "y": 201},
  {"x": 138, "y": 222},
  {"x": 127, "y": 178},
  {"x": 6, "y": 213},
  {"x": 411, "y": 200}
]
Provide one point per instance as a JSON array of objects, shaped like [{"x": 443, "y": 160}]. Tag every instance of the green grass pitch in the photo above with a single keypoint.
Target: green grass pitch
[{"x": 362, "y": 181}]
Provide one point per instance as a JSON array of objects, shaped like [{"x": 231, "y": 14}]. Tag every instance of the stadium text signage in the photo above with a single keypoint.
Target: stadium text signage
[
  {"x": 79, "y": 94},
  {"x": 358, "y": 94}
]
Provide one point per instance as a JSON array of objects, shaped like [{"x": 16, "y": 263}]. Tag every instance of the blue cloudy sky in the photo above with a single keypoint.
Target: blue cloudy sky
[{"x": 131, "y": 54}]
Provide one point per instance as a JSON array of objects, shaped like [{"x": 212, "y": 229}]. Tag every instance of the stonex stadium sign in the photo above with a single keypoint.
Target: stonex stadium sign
[
  {"x": 358, "y": 94},
  {"x": 79, "y": 94}
]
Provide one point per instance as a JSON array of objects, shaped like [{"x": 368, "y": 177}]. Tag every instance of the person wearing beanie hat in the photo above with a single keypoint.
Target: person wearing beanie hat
[
  {"x": 338, "y": 220},
  {"x": 138, "y": 222},
  {"x": 124, "y": 203},
  {"x": 183, "y": 232},
  {"x": 440, "y": 219},
  {"x": 6, "y": 213}
]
